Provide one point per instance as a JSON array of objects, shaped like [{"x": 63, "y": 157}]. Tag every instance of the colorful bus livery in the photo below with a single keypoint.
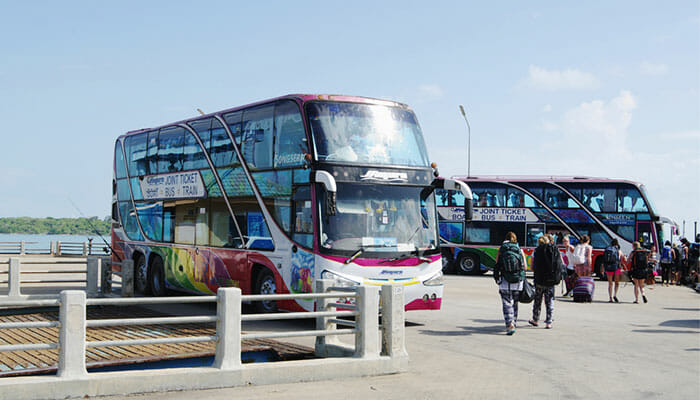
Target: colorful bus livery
[
  {"x": 601, "y": 208},
  {"x": 271, "y": 196}
]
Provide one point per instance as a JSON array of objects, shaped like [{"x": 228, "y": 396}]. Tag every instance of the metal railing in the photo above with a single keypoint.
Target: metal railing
[
  {"x": 73, "y": 323},
  {"x": 56, "y": 248}
]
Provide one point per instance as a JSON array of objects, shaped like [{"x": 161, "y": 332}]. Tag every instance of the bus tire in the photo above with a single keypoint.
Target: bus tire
[
  {"x": 600, "y": 269},
  {"x": 140, "y": 274},
  {"x": 156, "y": 278},
  {"x": 447, "y": 264},
  {"x": 265, "y": 284},
  {"x": 468, "y": 264}
]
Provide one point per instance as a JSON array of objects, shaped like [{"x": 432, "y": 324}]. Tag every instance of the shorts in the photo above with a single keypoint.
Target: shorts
[{"x": 617, "y": 272}]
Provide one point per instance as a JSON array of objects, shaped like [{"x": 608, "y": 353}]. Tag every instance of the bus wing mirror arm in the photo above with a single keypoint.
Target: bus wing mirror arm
[
  {"x": 453, "y": 184},
  {"x": 328, "y": 182}
]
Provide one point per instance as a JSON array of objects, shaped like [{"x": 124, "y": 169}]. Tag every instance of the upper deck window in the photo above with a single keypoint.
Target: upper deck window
[{"x": 366, "y": 133}]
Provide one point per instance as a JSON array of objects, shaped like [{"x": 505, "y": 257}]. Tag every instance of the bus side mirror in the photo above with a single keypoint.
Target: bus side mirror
[
  {"x": 328, "y": 182},
  {"x": 452, "y": 184}
]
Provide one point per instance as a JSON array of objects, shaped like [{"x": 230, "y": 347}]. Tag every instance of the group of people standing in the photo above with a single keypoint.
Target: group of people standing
[{"x": 549, "y": 265}]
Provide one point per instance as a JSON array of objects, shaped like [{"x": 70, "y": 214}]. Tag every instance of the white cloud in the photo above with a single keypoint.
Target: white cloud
[
  {"x": 540, "y": 78},
  {"x": 431, "y": 91},
  {"x": 648, "y": 68}
]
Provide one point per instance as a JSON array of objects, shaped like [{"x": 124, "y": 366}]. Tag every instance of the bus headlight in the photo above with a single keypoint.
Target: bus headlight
[
  {"x": 435, "y": 280},
  {"x": 338, "y": 280}
]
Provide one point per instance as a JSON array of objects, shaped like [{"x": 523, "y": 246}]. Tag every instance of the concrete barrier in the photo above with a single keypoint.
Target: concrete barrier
[{"x": 72, "y": 380}]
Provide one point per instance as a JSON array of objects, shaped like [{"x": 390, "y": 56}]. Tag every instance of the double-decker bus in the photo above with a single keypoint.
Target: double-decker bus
[
  {"x": 270, "y": 196},
  {"x": 531, "y": 206}
]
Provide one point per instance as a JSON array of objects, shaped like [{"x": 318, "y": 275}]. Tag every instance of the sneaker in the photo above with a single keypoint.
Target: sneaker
[
  {"x": 510, "y": 330},
  {"x": 533, "y": 322},
  {"x": 548, "y": 326},
  {"x": 610, "y": 301},
  {"x": 616, "y": 300},
  {"x": 644, "y": 298},
  {"x": 635, "y": 302}
]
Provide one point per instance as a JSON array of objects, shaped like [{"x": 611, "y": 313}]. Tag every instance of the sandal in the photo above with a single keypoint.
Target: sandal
[{"x": 533, "y": 322}]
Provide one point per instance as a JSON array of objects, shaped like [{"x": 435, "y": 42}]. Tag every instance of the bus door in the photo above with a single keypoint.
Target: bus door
[
  {"x": 532, "y": 233},
  {"x": 644, "y": 234}
]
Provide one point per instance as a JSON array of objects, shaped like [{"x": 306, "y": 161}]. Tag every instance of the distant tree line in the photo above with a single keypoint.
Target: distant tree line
[{"x": 55, "y": 226}]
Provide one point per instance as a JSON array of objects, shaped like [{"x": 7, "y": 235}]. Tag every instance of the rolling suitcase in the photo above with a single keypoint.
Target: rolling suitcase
[{"x": 583, "y": 291}]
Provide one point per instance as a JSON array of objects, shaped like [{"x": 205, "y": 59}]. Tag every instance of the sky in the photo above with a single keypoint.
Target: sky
[{"x": 595, "y": 88}]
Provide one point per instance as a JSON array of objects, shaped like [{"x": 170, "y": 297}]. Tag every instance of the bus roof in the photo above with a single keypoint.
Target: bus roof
[
  {"x": 543, "y": 178},
  {"x": 301, "y": 97}
]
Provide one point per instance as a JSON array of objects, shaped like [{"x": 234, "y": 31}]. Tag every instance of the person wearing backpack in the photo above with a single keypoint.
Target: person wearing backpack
[
  {"x": 639, "y": 270},
  {"x": 547, "y": 265},
  {"x": 509, "y": 274},
  {"x": 612, "y": 258},
  {"x": 693, "y": 260},
  {"x": 667, "y": 260},
  {"x": 677, "y": 265},
  {"x": 583, "y": 253},
  {"x": 685, "y": 246}
]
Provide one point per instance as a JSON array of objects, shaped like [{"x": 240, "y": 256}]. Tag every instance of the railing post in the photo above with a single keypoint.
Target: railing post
[
  {"x": 323, "y": 342},
  {"x": 85, "y": 248},
  {"x": 367, "y": 336},
  {"x": 71, "y": 335},
  {"x": 51, "y": 248},
  {"x": 13, "y": 281},
  {"x": 393, "y": 325},
  {"x": 128, "y": 278},
  {"x": 22, "y": 248},
  {"x": 92, "y": 271},
  {"x": 228, "y": 329},
  {"x": 58, "y": 247},
  {"x": 105, "y": 276}
]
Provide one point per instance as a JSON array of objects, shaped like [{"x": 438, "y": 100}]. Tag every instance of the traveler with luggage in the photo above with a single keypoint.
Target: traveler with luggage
[
  {"x": 547, "y": 266},
  {"x": 583, "y": 253},
  {"x": 509, "y": 274},
  {"x": 568, "y": 259},
  {"x": 639, "y": 270},
  {"x": 612, "y": 259},
  {"x": 667, "y": 260}
]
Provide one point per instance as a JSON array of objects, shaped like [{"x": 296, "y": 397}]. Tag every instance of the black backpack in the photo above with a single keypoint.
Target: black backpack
[
  {"x": 557, "y": 264},
  {"x": 511, "y": 263},
  {"x": 611, "y": 257},
  {"x": 640, "y": 260},
  {"x": 694, "y": 251}
]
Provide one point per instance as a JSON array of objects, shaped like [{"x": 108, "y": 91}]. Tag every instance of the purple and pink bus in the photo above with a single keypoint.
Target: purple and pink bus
[{"x": 271, "y": 196}]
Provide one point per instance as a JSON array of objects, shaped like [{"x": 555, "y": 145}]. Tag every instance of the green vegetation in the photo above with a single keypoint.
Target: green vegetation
[{"x": 55, "y": 226}]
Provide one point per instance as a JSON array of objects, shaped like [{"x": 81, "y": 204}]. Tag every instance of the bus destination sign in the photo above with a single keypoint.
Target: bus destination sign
[{"x": 179, "y": 185}]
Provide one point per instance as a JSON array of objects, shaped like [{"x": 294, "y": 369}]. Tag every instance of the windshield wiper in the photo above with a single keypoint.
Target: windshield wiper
[
  {"x": 414, "y": 253},
  {"x": 362, "y": 250}
]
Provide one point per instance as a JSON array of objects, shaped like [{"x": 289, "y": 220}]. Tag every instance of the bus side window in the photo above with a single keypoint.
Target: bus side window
[
  {"x": 170, "y": 148},
  {"x": 302, "y": 228},
  {"x": 290, "y": 138},
  {"x": 256, "y": 143}
]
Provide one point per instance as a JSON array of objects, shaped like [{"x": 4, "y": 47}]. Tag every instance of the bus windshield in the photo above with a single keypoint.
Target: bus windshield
[
  {"x": 386, "y": 219},
  {"x": 365, "y": 133}
]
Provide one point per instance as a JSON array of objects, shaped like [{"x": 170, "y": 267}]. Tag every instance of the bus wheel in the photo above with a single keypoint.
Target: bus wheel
[
  {"x": 447, "y": 266},
  {"x": 156, "y": 278},
  {"x": 468, "y": 264},
  {"x": 265, "y": 284},
  {"x": 140, "y": 278}
]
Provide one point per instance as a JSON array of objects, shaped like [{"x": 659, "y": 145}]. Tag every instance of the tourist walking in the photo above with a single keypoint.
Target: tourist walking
[
  {"x": 612, "y": 258},
  {"x": 677, "y": 265},
  {"x": 639, "y": 270},
  {"x": 568, "y": 259},
  {"x": 547, "y": 266},
  {"x": 667, "y": 260},
  {"x": 685, "y": 246},
  {"x": 583, "y": 253},
  {"x": 509, "y": 273}
]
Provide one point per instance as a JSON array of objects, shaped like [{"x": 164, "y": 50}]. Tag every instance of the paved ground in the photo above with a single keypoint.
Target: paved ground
[{"x": 598, "y": 350}]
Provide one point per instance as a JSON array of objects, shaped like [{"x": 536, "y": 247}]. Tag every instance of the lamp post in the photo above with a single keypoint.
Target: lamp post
[{"x": 469, "y": 142}]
